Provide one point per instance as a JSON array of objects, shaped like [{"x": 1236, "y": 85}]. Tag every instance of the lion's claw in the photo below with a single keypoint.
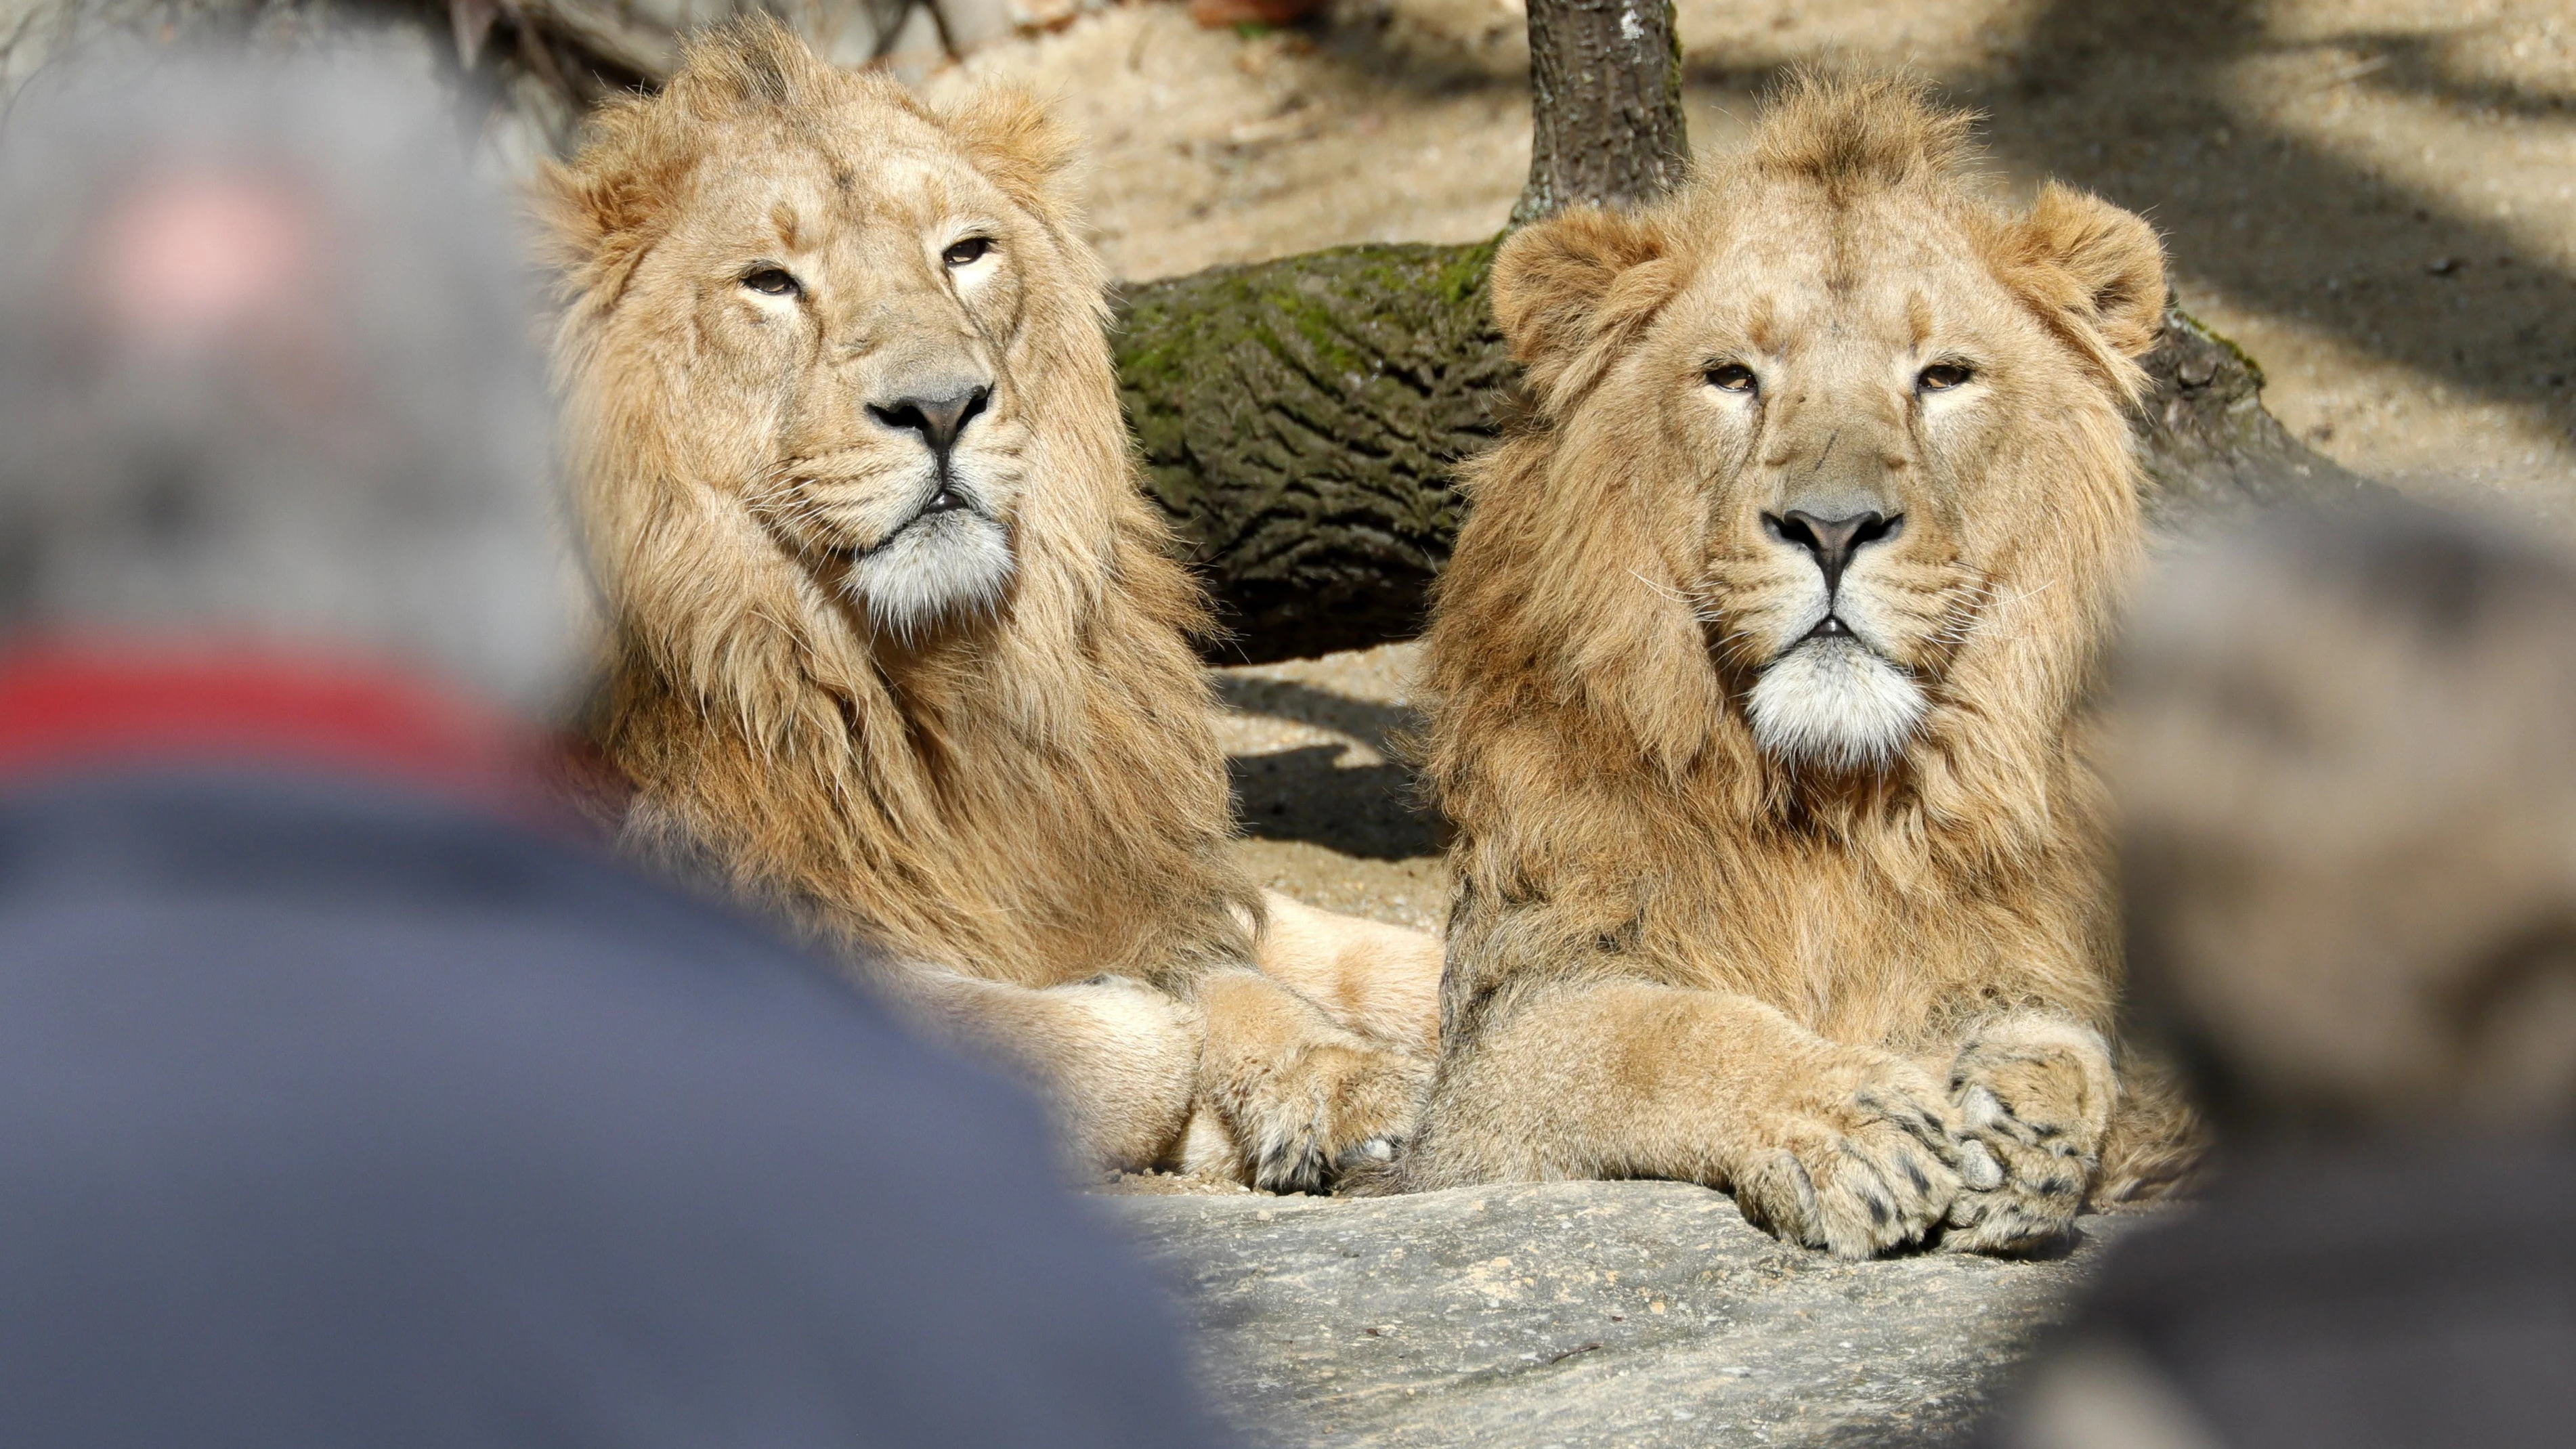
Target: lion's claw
[
  {"x": 1874, "y": 1173},
  {"x": 1333, "y": 1108},
  {"x": 2033, "y": 1099},
  {"x": 1978, "y": 1170}
]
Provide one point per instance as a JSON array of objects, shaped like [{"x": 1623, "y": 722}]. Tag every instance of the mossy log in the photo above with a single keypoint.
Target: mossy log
[{"x": 1302, "y": 421}]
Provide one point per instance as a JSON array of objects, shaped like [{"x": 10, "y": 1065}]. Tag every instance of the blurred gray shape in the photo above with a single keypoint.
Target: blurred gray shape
[
  {"x": 530, "y": 69},
  {"x": 265, "y": 371}
]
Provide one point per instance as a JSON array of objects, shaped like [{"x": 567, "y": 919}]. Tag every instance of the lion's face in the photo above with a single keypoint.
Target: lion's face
[
  {"x": 1853, "y": 440},
  {"x": 827, "y": 305},
  {"x": 1836, "y": 440},
  {"x": 857, "y": 315}
]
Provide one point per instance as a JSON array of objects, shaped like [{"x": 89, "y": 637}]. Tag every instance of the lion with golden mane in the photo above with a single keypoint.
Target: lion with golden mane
[
  {"x": 899, "y": 651},
  {"x": 1762, "y": 668}
]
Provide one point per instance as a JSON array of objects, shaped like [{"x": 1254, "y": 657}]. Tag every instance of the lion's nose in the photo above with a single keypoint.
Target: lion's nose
[
  {"x": 938, "y": 419},
  {"x": 1834, "y": 540}
]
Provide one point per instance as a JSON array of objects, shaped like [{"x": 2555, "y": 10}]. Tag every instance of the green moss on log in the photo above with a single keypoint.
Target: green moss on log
[{"x": 1300, "y": 422}]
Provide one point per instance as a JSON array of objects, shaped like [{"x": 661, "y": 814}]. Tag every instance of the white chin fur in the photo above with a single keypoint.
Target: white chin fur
[
  {"x": 947, "y": 564},
  {"x": 1833, "y": 703}
]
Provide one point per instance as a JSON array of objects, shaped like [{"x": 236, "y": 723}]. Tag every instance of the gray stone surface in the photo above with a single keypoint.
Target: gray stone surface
[{"x": 1635, "y": 1314}]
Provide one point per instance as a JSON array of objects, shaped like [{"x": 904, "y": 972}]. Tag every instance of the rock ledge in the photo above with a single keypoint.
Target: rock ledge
[{"x": 1582, "y": 1313}]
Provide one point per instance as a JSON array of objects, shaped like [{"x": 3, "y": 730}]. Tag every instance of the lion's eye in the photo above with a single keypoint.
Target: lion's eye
[
  {"x": 1941, "y": 377},
  {"x": 772, "y": 282},
  {"x": 968, "y": 252},
  {"x": 1731, "y": 377}
]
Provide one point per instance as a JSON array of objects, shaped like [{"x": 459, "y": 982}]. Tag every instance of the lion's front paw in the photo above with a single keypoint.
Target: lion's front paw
[
  {"x": 1858, "y": 1174},
  {"x": 1332, "y": 1106},
  {"x": 2033, "y": 1097}
]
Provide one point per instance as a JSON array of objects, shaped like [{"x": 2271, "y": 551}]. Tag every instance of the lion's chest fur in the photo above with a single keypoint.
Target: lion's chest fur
[
  {"x": 1862, "y": 954},
  {"x": 947, "y": 835},
  {"x": 1871, "y": 933}
]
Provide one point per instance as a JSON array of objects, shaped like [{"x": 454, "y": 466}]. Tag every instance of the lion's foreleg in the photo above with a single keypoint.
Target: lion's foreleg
[
  {"x": 1831, "y": 1145},
  {"x": 1379, "y": 980},
  {"x": 1117, "y": 1061},
  {"x": 1301, "y": 1099}
]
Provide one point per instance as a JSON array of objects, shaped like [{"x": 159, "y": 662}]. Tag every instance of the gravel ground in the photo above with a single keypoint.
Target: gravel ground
[
  {"x": 1329, "y": 809},
  {"x": 2376, "y": 197}
]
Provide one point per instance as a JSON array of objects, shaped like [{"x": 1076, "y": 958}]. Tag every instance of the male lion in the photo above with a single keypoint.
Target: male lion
[
  {"x": 898, "y": 648},
  {"x": 1759, "y": 666}
]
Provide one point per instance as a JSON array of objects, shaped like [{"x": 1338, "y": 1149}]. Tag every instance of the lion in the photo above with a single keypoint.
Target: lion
[
  {"x": 1760, "y": 678},
  {"x": 898, "y": 649}
]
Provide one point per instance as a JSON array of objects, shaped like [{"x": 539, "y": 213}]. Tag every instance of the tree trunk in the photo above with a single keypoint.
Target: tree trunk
[
  {"x": 1301, "y": 420},
  {"x": 1606, "y": 122}
]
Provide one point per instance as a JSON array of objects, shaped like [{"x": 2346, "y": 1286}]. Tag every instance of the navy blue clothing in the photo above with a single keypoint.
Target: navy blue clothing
[{"x": 334, "y": 1117}]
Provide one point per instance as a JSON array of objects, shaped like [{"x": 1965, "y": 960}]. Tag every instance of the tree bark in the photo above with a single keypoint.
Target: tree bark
[
  {"x": 1606, "y": 123},
  {"x": 2208, "y": 444},
  {"x": 1301, "y": 421}
]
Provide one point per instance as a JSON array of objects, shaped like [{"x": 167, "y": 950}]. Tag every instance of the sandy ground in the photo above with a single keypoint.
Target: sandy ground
[
  {"x": 1329, "y": 810},
  {"x": 2376, "y": 197}
]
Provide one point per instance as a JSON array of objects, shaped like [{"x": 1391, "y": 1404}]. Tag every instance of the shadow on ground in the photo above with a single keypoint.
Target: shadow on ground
[
  {"x": 2156, "y": 108},
  {"x": 2272, "y": 219},
  {"x": 1364, "y": 810},
  {"x": 1368, "y": 809}
]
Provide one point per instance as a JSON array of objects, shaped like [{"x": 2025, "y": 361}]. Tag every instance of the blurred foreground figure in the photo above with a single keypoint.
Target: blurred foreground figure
[
  {"x": 341, "y": 1103},
  {"x": 2348, "y": 770}
]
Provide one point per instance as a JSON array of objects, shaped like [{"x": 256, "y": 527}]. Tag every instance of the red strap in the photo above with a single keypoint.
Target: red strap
[{"x": 73, "y": 709}]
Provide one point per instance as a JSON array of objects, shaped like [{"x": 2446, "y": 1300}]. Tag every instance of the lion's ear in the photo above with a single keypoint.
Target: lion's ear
[
  {"x": 1555, "y": 285},
  {"x": 601, "y": 211},
  {"x": 598, "y": 212},
  {"x": 580, "y": 212},
  {"x": 1014, "y": 141},
  {"x": 2097, "y": 266}
]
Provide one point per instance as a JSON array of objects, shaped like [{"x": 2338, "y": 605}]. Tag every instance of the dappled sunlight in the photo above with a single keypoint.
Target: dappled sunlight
[{"x": 2373, "y": 203}]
